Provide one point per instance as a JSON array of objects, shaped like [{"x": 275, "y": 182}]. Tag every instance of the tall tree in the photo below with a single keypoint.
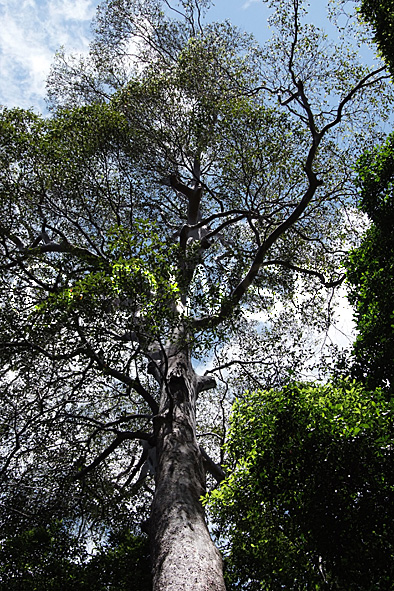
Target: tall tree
[{"x": 186, "y": 179}]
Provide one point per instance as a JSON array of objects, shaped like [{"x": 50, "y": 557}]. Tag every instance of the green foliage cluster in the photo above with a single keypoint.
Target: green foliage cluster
[
  {"x": 309, "y": 500},
  {"x": 370, "y": 271},
  {"x": 52, "y": 557},
  {"x": 138, "y": 272},
  {"x": 380, "y": 13},
  {"x": 375, "y": 170}
]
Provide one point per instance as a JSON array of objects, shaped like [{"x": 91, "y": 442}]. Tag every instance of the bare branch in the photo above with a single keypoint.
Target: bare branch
[
  {"x": 120, "y": 438},
  {"x": 364, "y": 82},
  {"x": 294, "y": 42},
  {"x": 134, "y": 383},
  {"x": 311, "y": 272},
  {"x": 212, "y": 467}
]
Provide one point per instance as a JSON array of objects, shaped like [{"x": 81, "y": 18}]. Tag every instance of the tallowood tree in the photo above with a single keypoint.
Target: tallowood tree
[{"x": 187, "y": 181}]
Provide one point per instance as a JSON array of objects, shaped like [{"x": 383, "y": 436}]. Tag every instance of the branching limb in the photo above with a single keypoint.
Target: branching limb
[
  {"x": 213, "y": 468},
  {"x": 310, "y": 272},
  {"x": 119, "y": 439},
  {"x": 193, "y": 195},
  {"x": 108, "y": 426},
  {"x": 205, "y": 383},
  {"x": 242, "y": 362},
  {"x": 294, "y": 42},
  {"x": 42, "y": 245},
  {"x": 368, "y": 80},
  {"x": 134, "y": 383},
  {"x": 230, "y": 303}
]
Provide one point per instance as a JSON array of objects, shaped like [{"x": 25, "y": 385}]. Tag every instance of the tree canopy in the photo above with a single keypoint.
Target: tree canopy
[
  {"x": 46, "y": 558},
  {"x": 370, "y": 266}
]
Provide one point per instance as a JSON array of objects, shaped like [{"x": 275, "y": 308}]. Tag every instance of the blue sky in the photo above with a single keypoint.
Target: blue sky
[{"x": 32, "y": 30}]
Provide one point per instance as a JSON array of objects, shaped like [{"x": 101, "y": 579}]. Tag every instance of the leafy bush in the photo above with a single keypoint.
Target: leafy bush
[{"x": 309, "y": 500}]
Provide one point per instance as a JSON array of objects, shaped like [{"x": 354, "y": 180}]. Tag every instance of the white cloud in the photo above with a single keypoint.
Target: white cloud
[
  {"x": 80, "y": 10},
  {"x": 249, "y": 3},
  {"x": 342, "y": 332},
  {"x": 31, "y": 32}
]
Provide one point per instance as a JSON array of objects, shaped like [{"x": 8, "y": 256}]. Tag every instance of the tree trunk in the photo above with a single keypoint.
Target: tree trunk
[{"x": 184, "y": 556}]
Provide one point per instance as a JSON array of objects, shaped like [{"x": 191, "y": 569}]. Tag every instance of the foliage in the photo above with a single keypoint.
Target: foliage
[
  {"x": 370, "y": 266},
  {"x": 52, "y": 557},
  {"x": 370, "y": 270},
  {"x": 309, "y": 499},
  {"x": 380, "y": 14},
  {"x": 39, "y": 558}
]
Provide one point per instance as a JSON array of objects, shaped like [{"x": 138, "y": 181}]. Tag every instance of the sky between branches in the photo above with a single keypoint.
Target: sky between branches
[{"x": 33, "y": 30}]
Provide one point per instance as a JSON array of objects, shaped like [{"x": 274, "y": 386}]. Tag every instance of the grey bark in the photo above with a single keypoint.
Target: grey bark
[{"x": 183, "y": 554}]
